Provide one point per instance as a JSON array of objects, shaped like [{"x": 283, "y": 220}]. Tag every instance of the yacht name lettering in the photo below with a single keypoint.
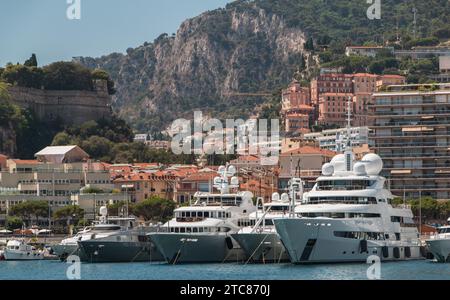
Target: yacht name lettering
[
  {"x": 189, "y": 240},
  {"x": 194, "y": 290}
]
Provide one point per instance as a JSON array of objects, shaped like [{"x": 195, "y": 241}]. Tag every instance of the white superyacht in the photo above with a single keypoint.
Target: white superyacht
[
  {"x": 201, "y": 233},
  {"x": 348, "y": 217},
  {"x": 439, "y": 244}
]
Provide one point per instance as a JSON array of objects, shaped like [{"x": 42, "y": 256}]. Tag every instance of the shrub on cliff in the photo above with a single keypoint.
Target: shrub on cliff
[{"x": 67, "y": 76}]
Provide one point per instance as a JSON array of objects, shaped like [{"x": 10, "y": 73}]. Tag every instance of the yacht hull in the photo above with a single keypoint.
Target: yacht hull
[
  {"x": 21, "y": 255},
  {"x": 64, "y": 251},
  {"x": 440, "y": 249},
  {"x": 98, "y": 251},
  {"x": 313, "y": 241},
  {"x": 262, "y": 247},
  {"x": 191, "y": 248}
]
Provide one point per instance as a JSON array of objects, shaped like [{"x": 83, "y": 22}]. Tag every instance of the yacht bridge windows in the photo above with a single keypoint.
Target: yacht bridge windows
[
  {"x": 339, "y": 215},
  {"x": 374, "y": 236},
  {"x": 344, "y": 185},
  {"x": 197, "y": 216},
  {"x": 199, "y": 229},
  {"x": 341, "y": 200},
  {"x": 219, "y": 200}
]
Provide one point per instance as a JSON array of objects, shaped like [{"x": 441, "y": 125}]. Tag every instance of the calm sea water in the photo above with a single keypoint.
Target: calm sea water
[{"x": 55, "y": 270}]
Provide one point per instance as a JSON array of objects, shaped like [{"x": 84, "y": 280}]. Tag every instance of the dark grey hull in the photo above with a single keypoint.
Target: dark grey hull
[
  {"x": 64, "y": 251},
  {"x": 190, "y": 248},
  {"x": 262, "y": 247},
  {"x": 440, "y": 249},
  {"x": 93, "y": 251},
  {"x": 306, "y": 243}
]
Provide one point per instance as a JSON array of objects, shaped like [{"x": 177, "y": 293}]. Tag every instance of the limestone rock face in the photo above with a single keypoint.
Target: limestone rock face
[{"x": 202, "y": 67}]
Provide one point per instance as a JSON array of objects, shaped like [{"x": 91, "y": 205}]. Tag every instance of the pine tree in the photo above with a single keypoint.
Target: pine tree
[{"x": 32, "y": 61}]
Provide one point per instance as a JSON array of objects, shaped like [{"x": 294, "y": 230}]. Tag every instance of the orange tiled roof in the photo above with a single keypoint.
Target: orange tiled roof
[
  {"x": 25, "y": 162},
  {"x": 364, "y": 75},
  {"x": 310, "y": 150}
]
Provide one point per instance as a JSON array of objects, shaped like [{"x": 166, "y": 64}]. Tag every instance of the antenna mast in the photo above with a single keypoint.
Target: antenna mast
[{"x": 415, "y": 11}]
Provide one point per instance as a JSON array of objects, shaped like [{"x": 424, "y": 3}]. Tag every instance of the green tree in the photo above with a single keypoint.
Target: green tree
[
  {"x": 32, "y": 61},
  {"x": 154, "y": 209},
  {"x": 103, "y": 75},
  {"x": 62, "y": 139},
  {"x": 116, "y": 208},
  {"x": 4, "y": 94},
  {"x": 67, "y": 76},
  {"x": 70, "y": 214},
  {"x": 29, "y": 209},
  {"x": 14, "y": 223}
]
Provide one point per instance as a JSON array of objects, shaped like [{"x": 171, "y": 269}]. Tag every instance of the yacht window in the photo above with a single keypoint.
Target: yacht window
[
  {"x": 183, "y": 214},
  {"x": 182, "y": 230},
  {"x": 200, "y": 214},
  {"x": 188, "y": 214},
  {"x": 344, "y": 185},
  {"x": 188, "y": 230},
  {"x": 398, "y": 236},
  {"x": 396, "y": 219},
  {"x": 206, "y": 214},
  {"x": 194, "y": 229},
  {"x": 268, "y": 222},
  {"x": 444, "y": 230},
  {"x": 177, "y": 230},
  {"x": 194, "y": 214},
  {"x": 200, "y": 229}
]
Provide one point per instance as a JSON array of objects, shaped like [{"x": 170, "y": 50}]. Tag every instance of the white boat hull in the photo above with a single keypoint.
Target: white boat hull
[
  {"x": 314, "y": 241},
  {"x": 20, "y": 255},
  {"x": 440, "y": 249}
]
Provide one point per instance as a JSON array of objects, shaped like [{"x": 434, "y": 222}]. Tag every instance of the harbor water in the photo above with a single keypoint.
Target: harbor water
[{"x": 55, "y": 270}]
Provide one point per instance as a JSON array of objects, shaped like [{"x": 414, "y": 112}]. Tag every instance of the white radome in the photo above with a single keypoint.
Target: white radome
[{"x": 373, "y": 164}]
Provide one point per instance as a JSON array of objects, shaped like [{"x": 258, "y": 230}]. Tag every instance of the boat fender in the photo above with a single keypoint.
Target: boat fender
[
  {"x": 396, "y": 252},
  {"x": 408, "y": 252},
  {"x": 229, "y": 243},
  {"x": 363, "y": 246},
  {"x": 385, "y": 251}
]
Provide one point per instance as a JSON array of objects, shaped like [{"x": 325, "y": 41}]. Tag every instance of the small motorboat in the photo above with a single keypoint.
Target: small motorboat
[{"x": 20, "y": 250}]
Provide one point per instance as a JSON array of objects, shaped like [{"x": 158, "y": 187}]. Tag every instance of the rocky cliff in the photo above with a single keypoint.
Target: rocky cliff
[{"x": 210, "y": 59}]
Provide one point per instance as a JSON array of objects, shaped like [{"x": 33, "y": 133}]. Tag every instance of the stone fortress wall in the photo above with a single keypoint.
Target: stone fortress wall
[{"x": 71, "y": 107}]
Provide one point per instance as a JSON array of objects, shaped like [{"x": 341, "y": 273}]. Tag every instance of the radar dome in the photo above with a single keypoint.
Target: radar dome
[
  {"x": 327, "y": 169},
  {"x": 338, "y": 162},
  {"x": 360, "y": 169},
  {"x": 285, "y": 198},
  {"x": 373, "y": 164},
  {"x": 275, "y": 197},
  {"x": 234, "y": 181},
  {"x": 104, "y": 211},
  {"x": 231, "y": 170}
]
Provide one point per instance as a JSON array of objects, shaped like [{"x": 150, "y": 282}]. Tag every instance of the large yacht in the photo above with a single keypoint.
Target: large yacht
[
  {"x": 348, "y": 217},
  {"x": 117, "y": 239},
  {"x": 201, "y": 232},
  {"x": 260, "y": 241},
  {"x": 439, "y": 244}
]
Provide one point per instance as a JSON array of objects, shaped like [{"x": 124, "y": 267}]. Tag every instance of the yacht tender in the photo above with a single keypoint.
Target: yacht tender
[{"x": 20, "y": 250}]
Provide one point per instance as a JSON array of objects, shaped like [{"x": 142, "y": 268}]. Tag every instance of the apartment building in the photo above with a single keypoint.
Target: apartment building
[
  {"x": 331, "y": 83},
  {"x": 333, "y": 108},
  {"x": 141, "y": 186},
  {"x": 336, "y": 139},
  {"x": 411, "y": 132},
  {"x": 305, "y": 162},
  {"x": 56, "y": 175}
]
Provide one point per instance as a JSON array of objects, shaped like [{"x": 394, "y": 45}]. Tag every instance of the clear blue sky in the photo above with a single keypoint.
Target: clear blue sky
[{"x": 41, "y": 26}]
